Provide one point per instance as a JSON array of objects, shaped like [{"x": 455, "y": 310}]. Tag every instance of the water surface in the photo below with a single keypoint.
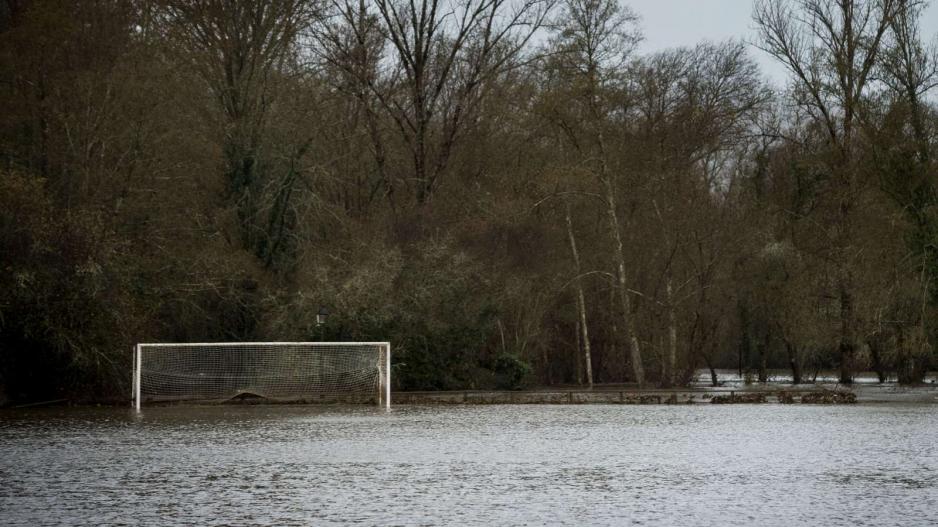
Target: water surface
[{"x": 474, "y": 465}]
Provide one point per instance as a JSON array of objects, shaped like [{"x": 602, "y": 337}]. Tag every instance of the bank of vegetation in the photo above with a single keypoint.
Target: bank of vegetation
[{"x": 508, "y": 191}]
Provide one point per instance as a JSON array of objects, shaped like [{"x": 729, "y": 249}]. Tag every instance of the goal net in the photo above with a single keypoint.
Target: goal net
[{"x": 312, "y": 372}]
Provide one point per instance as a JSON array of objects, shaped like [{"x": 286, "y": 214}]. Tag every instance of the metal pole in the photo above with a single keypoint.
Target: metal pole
[
  {"x": 137, "y": 378},
  {"x": 387, "y": 378},
  {"x": 133, "y": 376}
]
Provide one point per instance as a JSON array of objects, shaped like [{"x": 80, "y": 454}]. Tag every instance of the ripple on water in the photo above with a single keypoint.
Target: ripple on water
[{"x": 503, "y": 465}]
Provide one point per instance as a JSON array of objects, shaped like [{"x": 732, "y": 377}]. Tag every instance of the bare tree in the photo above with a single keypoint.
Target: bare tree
[
  {"x": 239, "y": 49},
  {"x": 904, "y": 157},
  {"x": 442, "y": 56},
  {"x": 695, "y": 115},
  {"x": 593, "y": 39},
  {"x": 831, "y": 48}
]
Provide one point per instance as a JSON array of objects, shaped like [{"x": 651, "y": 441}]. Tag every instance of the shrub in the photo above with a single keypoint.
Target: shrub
[{"x": 510, "y": 372}]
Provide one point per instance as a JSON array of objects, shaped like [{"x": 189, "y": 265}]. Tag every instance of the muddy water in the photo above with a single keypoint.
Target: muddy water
[{"x": 503, "y": 465}]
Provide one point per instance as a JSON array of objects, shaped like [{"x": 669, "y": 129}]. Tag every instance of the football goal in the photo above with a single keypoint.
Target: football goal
[{"x": 303, "y": 372}]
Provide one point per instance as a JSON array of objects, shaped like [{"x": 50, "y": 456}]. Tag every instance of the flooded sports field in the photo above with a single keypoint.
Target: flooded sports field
[{"x": 866, "y": 464}]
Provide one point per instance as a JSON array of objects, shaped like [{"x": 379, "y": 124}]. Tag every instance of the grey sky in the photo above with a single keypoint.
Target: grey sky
[{"x": 671, "y": 23}]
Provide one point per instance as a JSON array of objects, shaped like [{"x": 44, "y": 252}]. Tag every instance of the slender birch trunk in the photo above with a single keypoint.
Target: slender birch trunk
[
  {"x": 638, "y": 369},
  {"x": 581, "y": 302},
  {"x": 605, "y": 178}
]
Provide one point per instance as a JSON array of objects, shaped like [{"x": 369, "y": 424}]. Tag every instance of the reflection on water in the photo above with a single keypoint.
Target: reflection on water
[{"x": 499, "y": 465}]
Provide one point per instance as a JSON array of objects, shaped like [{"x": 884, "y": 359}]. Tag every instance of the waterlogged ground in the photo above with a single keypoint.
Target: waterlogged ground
[
  {"x": 824, "y": 377},
  {"x": 780, "y": 465}
]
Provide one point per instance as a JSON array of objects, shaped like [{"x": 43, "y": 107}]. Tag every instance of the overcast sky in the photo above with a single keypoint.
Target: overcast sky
[{"x": 670, "y": 23}]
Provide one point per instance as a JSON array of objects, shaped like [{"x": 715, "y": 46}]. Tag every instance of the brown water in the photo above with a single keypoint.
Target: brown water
[{"x": 500, "y": 465}]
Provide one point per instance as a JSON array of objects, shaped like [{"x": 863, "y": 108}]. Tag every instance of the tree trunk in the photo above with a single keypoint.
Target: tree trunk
[
  {"x": 763, "y": 361},
  {"x": 714, "y": 381},
  {"x": 638, "y": 370},
  {"x": 876, "y": 354},
  {"x": 794, "y": 362},
  {"x": 576, "y": 356},
  {"x": 614, "y": 350},
  {"x": 744, "y": 343},
  {"x": 581, "y": 301},
  {"x": 672, "y": 335},
  {"x": 847, "y": 347},
  {"x": 919, "y": 360},
  {"x": 547, "y": 372},
  {"x": 907, "y": 371}
]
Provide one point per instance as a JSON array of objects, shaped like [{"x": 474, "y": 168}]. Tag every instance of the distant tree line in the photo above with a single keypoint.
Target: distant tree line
[{"x": 506, "y": 190}]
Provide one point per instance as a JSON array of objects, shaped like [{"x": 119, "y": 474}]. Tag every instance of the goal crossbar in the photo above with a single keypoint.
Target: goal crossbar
[{"x": 278, "y": 371}]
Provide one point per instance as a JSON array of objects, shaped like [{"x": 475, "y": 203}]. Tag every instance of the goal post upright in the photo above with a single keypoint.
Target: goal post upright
[
  {"x": 384, "y": 377},
  {"x": 137, "y": 364},
  {"x": 387, "y": 375}
]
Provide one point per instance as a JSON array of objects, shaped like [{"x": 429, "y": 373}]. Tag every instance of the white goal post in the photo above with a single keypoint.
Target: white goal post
[{"x": 304, "y": 372}]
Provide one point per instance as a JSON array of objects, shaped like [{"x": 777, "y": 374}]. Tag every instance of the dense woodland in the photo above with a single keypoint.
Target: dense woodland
[{"x": 508, "y": 191}]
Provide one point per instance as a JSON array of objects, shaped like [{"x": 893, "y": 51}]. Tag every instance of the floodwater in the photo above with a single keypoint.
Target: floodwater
[
  {"x": 874, "y": 464},
  {"x": 827, "y": 377}
]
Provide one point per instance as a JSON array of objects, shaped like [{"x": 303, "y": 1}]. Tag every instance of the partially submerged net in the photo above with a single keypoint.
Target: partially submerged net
[{"x": 276, "y": 371}]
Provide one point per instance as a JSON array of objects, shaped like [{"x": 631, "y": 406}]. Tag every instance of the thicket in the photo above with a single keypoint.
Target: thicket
[{"x": 507, "y": 191}]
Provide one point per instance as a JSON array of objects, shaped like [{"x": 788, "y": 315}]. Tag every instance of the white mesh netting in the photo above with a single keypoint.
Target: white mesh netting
[{"x": 288, "y": 372}]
